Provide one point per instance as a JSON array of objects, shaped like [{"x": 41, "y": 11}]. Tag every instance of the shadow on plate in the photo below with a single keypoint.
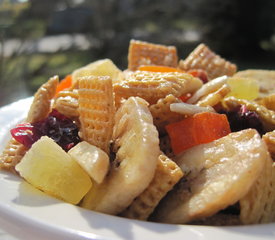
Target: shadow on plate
[
  {"x": 32, "y": 197},
  {"x": 123, "y": 228}
]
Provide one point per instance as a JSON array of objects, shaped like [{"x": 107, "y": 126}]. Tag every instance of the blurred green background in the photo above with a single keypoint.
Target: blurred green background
[{"x": 42, "y": 38}]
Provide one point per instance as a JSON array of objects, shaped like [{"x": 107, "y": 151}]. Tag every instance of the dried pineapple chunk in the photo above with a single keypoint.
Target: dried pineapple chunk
[
  {"x": 218, "y": 174},
  {"x": 265, "y": 79},
  {"x": 104, "y": 67},
  {"x": 92, "y": 159},
  {"x": 49, "y": 168}
]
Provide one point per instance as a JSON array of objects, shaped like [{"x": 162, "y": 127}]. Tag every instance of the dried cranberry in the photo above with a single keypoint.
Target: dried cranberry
[
  {"x": 56, "y": 126},
  {"x": 199, "y": 73},
  {"x": 25, "y": 134},
  {"x": 241, "y": 118}
]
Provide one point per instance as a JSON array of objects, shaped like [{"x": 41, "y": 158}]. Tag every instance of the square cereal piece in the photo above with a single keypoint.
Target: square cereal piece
[
  {"x": 167, "y": 174},
  {"x": 144, "y": 53},
  {"x": 204, "y": 58},
  {"x": 152, "y": 86},
  {"x": 257, "y": 206},
  {"x": 11, "y": 155},
  {"x": 162, "y": 115},
  {"x": 96, "y": 110}
]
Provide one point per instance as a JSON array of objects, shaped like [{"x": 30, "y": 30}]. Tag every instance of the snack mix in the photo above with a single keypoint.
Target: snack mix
[{"x": 183, "y": 141}]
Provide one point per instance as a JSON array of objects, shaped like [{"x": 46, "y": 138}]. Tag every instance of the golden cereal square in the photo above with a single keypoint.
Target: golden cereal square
[
  {"x": 166, "y": 176},
  {"x": 162, "y": 115},
  {"x": 96, "y": 110},
  {"x": 66, "y": 102},
  {"x": 152, "y": 86},
  {"x": 11, "y": 155},
  {"x": 144, "y": 53},
  {"x": 204, "y": 58},
  {"x": 41, "y": 105},
  {"x": 257, "y": 206}
]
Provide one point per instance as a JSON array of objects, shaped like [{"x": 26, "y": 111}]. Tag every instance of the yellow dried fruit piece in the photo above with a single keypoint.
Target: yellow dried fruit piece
[
  {"x": 49, "y": 168},
  {"x": 265, "y": 79},
  {"x": 243, "y": 88},
  {"x": 104, "y": 67}
]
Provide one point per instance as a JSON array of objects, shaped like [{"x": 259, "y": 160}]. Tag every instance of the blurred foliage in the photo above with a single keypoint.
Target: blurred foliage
[
  {"x": 25, "y": 73},
  {"x": 241, "y": 31}
]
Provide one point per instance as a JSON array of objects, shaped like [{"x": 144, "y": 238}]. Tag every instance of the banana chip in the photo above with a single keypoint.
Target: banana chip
[
  {"x": 136, "y": 145},
  {"x": 229, "y": 181},
  {"x": 218, "y": 174}
]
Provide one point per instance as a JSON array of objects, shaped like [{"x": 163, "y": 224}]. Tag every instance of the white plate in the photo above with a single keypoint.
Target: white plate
[{"x": 28, "y": 213}]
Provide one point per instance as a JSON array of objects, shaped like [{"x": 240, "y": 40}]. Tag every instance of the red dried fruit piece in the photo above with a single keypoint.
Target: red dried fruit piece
[
  {"x": 199, "y": 73},
  {"x": 56, "y": 126},
  {"x": 24, "y": 133}
]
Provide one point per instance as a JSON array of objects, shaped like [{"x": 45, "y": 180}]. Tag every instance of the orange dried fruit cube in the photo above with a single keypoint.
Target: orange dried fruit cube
[
  {"x": 200, "y": 128},
  {"x": 64, "y": 84},
  {"x": 153, "y": 68}
]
